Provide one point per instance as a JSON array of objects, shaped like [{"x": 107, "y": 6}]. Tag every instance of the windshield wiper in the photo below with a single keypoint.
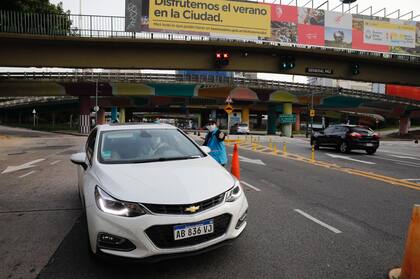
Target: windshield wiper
[{"x": 163, "y": 159}]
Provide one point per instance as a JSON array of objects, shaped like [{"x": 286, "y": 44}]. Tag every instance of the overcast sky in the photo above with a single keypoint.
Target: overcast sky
[{"x": 116, "y": 7}]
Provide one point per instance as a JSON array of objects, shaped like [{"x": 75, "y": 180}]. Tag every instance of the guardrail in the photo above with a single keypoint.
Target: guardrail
[
  {"x": 96, "y": 26},
  {"x": 205, "y": 81},
  {"x": 21, "y": 101}
]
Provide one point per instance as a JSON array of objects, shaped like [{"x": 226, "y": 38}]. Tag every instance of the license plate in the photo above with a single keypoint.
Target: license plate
[
  {"x": 191, "y": 230},
  {"x": 369, "y": 144}
]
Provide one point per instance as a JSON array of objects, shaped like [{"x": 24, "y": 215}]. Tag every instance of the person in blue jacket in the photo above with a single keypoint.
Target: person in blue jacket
[{"x": 214, "y": 140}]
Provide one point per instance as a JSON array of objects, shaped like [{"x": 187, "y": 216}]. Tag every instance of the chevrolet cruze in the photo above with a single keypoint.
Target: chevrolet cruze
[{"x": 149, "y": 190}]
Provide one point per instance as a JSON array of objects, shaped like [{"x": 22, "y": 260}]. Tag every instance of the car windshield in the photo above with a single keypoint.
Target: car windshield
[
  {"x": 145, "y": 145},
  {"x": 243, "y": 125}
]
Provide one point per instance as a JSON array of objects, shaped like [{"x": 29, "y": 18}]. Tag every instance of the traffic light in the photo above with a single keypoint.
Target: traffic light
[
  {"x": 287, "y": 63},
  {"x": 355, "y": 69},
  {"x": 222, "y": 58}
]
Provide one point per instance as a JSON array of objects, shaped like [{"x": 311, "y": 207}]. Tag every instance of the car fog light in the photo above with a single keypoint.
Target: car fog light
[
  {"x": 241, "y": 220},
  {"x": 112, "y": 242}
]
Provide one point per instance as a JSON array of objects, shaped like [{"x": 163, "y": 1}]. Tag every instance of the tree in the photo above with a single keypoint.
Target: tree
[
  {"x": 34, "y": 17},
  {"x": 32, "y": 6}
]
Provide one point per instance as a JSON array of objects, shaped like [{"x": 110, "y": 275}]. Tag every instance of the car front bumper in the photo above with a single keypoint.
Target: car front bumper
[{"x": 134, "y": 229}]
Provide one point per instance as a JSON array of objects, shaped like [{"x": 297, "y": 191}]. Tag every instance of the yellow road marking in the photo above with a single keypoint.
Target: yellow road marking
[{"x": 375, "y": 176}]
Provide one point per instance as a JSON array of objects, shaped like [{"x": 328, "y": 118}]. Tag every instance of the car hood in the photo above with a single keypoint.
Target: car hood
[{"x": 171, "y": 182}]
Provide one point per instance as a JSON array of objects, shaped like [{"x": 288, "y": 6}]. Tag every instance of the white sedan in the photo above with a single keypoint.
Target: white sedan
[{"x": 150, "y": 190}]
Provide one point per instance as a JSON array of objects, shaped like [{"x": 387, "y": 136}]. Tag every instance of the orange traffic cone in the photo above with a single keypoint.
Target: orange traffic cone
[
  {"x": 235, "y": 169},
  {"x": 411, "y": 262}
]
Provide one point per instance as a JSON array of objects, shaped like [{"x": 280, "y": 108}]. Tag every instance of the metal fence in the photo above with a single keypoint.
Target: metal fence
[
  {"x": 95, "y": 26},
  {"x": 204, "y": 81}
]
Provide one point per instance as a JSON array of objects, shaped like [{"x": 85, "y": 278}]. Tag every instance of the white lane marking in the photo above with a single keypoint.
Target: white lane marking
[
  {"x": 29, "y": 173},
  {"x": 350, "y": 159},
  {"x": 251, "y": 186},
  {"x": 55, "y": 162},
  {"x": 331, "y": 228},
  {"x": 404, "y": 157},
  {"x": 407, "y": 163},
  {"x": 23, "y": 166},
  {"x": 252, "y": 161}
]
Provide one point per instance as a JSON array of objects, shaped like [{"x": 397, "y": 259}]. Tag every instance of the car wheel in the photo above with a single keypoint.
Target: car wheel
[
  {"x": 370, "y": 151},
  {"x": 344, "y": 147}
]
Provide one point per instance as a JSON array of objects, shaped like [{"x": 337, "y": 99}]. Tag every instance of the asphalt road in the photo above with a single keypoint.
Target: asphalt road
[{"x": 305, "y": 221}]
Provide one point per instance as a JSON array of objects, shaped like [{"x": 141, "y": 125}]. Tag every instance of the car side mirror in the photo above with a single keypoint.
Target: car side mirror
[
  {"x": 79, "y": 159},
  {"x": 205, "y": 149}
]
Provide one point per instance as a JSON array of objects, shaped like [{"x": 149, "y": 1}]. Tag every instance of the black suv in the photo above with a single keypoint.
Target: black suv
[{"x": 346, "y": 138}]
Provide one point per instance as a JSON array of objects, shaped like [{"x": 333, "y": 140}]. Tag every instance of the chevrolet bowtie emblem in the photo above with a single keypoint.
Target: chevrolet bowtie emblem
[{"x": 192, "y": 208}]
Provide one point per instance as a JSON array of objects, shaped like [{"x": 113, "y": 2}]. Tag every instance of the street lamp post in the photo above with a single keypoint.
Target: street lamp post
[{"x": 34, "y": 114}]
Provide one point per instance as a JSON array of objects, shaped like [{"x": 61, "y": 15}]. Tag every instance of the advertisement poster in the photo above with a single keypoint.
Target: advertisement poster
[
  {"x": 395, "y": 34},
  {"x": 338, "y": 30},
  {"x": 284, "y": 23},
  {"x": 217, "y": 16},
  {"x": 311, "y": 35},
  {"x": 358, "y": 36},
  {"x": 309, "y": 16}
]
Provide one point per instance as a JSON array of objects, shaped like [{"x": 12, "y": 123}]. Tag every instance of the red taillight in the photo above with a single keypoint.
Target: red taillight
[
  {"x": 225, "y": 55},
  {"x": 356, "y": 135},
  {"x": 376, "y": 136},
  {"x": 218, "y": 55}
]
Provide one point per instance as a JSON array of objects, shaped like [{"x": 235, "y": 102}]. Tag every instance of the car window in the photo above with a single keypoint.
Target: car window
[
  {"x": 90, "y": 145},
  {"x": 329, "y": 130},
  {"x": 362, "y": 130},
  {"x": 243, "y": 125},
  {"x": 146, "y": 145}
]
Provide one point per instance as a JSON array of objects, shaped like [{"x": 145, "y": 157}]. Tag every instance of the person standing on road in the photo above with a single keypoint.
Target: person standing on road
[{"x": 215, "y": 141}]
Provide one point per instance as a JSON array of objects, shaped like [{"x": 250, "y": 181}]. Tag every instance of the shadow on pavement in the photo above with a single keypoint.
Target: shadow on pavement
[{"x": 72, "y": 260}]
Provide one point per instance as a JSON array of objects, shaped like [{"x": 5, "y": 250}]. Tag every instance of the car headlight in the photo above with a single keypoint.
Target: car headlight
[
  {"x": 234, "y": 193},
  {"x": 108, "y": 204}
]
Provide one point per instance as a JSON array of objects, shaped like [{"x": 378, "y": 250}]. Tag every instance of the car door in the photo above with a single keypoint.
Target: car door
[
  {"x": 327, "y": 136},
  {"x": 84, "y": 174}
]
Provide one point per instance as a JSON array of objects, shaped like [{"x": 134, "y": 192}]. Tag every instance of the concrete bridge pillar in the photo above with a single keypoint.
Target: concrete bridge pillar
[
  {"x": 271, "y": 119},
  {"x": 405, "y": 124},
  {"x": 297, "y": 123},
  {"x": 101, "y": 116},
  {"x": 286, "y": 128},
  {"x": 245, "y": 115},
  {"x": 122, "y": 115},
  {"x": 84, "y": 117}
]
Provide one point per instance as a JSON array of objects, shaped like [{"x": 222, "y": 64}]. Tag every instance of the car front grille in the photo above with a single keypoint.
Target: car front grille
[
  {"x": 163, "y": 235},
  {"x": 181, "y": 208}
]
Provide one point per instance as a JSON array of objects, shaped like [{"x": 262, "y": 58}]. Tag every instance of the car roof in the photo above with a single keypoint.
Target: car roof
[{"x": 134, "y": 126}]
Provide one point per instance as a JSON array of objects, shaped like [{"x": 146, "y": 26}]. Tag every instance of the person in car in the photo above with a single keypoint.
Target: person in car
[{"x": 215, "y": 141}]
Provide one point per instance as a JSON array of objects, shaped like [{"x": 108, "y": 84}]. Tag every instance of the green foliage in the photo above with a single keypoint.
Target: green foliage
[
  {"x": 31, "y": 6},
  {"x": 34, "y": 17}
]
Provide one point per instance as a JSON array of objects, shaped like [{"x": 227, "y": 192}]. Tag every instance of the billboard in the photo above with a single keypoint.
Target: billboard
[
  {"x": 273, "y": 22},
  {"x": 218, "y": 16}
]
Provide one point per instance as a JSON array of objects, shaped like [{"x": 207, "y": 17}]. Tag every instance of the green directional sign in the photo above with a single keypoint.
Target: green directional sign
[{"x": 287, "y": 118}]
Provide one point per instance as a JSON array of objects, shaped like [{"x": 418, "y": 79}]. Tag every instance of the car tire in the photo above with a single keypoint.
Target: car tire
[
  {"x": 370, "y": 151},
  {"x": 343, "y": 147}
]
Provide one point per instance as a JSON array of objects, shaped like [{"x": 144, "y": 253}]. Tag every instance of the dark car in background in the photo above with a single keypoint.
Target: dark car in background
[{"x": 345, "y": 138}]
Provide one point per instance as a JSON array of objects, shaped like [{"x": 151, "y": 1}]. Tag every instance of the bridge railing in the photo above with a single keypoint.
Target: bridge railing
[
  {"x": 302, "y": 89},
  {"x": 96, "y": 26}
]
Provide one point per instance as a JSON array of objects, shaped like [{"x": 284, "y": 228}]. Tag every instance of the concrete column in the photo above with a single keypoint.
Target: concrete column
[
  {"x": 101, "y": 116},
  {"x": 84, "y": 118},
  {"x": 286, "y": 128},
  {"x": 245, "y": 115},
  {"x": 122, "y": 115},
  {"x": 405, "y": 124},
  {"x": 259, "y": 120},
  {"x": 297, "y": 124},
  {"x": 114, "y": 112},
  {"x": 271, "y": 119}
]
